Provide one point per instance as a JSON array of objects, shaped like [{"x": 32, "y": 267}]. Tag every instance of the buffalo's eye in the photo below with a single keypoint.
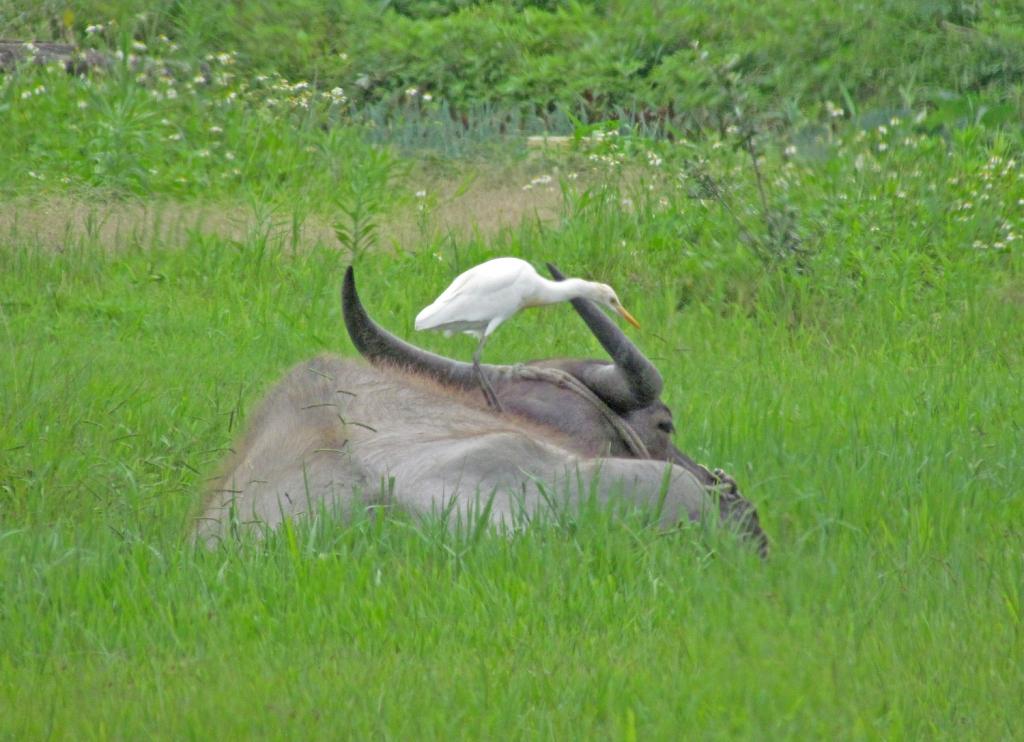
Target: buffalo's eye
[{"x": 666, "y": 426}]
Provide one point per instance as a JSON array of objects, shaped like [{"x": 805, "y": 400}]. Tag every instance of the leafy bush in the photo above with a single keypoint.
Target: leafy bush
[{"x": 591, "y": 58}]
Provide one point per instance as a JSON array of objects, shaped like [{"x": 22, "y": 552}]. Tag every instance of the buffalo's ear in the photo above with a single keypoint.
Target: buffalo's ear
[{"x": 555, "y": 273}]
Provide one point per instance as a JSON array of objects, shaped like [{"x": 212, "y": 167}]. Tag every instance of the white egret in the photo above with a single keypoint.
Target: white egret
[{"x": 480, "y": 299}]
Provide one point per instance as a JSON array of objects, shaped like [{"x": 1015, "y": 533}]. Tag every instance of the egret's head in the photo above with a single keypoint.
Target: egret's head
[{"x": 605, "y": 295}]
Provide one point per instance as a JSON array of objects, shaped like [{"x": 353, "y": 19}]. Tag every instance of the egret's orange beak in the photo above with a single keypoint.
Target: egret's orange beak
[{"x": 627, "y": 316}]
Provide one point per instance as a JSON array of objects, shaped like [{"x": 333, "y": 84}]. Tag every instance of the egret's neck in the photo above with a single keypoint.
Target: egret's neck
[{"x": 552, "y": 292}]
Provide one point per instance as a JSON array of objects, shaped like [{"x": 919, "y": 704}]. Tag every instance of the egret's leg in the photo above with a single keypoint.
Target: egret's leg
[{"x": 485, "y": 386}]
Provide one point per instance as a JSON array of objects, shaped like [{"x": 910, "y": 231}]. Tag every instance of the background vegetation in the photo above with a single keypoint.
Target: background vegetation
[
  {"x": 594, "y": 57},
  {"x": 820, "y": 233}
]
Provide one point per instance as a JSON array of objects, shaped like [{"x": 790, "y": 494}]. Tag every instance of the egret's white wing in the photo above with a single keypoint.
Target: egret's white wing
[
  {"x": 493, "y": 289},
  {"x": 485, "y": 278}
]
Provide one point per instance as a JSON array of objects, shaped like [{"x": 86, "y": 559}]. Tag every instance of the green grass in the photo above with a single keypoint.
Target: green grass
[
  {"x": 848, "y": 346},
  {"x": 878, "y": 431}
]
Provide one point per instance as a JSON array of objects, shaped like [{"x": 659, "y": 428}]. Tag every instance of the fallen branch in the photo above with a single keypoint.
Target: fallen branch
[{"x": 75, "y": 61}]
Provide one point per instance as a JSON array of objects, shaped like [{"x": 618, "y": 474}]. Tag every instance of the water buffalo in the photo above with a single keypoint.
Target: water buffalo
[{"x": 412, "y": 431}]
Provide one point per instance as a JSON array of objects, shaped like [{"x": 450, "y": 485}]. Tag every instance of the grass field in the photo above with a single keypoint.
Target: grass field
[{"x": 838, "y": 319}]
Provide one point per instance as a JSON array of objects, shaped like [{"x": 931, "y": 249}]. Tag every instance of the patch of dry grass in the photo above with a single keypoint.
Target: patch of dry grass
[{"x": 57, "y": 222}]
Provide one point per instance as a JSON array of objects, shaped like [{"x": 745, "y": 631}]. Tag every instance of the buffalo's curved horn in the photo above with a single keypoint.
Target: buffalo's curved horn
[
  {"x": 630, "y": 383},
  {"x": 379, "y": 346}
]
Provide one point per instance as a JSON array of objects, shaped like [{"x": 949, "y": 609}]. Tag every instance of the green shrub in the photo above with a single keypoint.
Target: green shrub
[{"x": 590, "y": 58}]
